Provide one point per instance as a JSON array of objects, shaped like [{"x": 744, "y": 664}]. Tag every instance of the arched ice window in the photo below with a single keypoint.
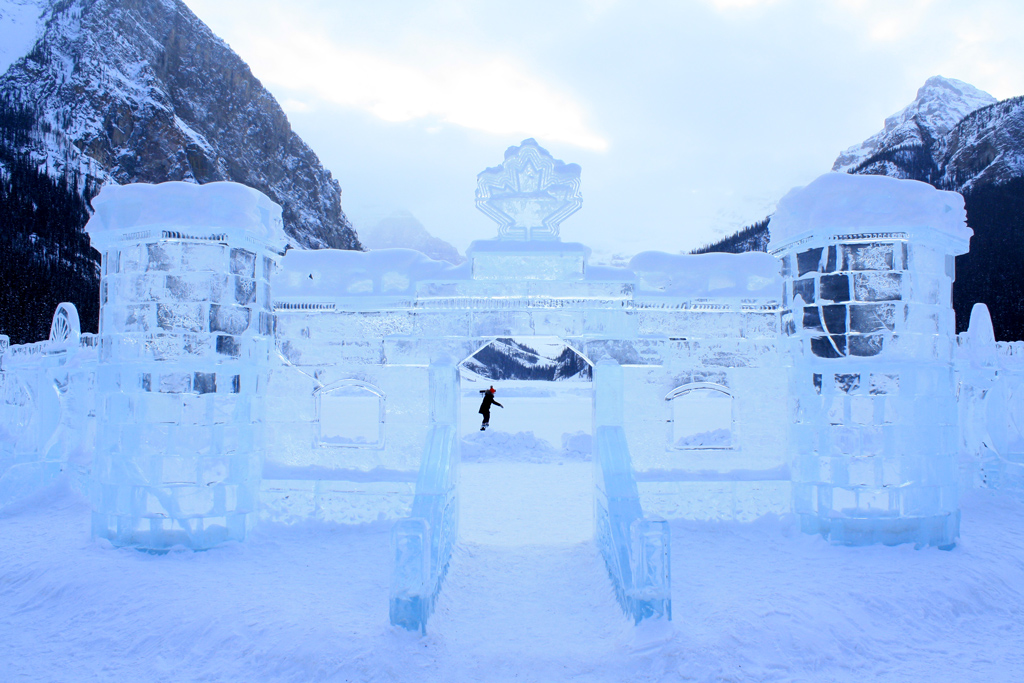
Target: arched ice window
[
  {"x": 350, "y": 413},
  {"x": 701, "y": 416}
]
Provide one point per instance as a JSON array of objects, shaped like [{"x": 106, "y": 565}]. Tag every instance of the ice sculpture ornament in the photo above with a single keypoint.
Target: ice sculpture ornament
[{"x": 530, "y": 194}]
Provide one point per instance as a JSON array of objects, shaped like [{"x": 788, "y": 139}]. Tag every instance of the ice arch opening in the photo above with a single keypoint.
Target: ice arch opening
[
  {"x": 528, "y": 479},
  {"x": 701, "y": 416}
]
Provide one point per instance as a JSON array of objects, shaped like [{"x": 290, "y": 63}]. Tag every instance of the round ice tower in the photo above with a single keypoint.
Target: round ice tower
[
  {"x": 186, "y": 329},
  {"x": 867, "y": 264}
]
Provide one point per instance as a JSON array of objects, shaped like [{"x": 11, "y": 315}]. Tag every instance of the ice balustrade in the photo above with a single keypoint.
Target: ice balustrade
[
  {"x": 636, "y": 549},
  {"x": 422, "y": 543},
  {"x": 47, "y": 413}
]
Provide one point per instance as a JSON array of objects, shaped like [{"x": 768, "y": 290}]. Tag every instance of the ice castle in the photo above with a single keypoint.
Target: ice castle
[{"x": 234, "y": 381}]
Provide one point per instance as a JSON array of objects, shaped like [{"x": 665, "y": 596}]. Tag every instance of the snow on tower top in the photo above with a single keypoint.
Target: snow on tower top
[
  {"x": 842, "y": 204},
  {"x": 187, "y": 208},
  {"x": 530, "y": 194}
]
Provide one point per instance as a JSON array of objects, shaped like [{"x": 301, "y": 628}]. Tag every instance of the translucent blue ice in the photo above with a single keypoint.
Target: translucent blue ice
[
  {"x": 636, "y": 550},
  {"x": 422, "y": 543}
]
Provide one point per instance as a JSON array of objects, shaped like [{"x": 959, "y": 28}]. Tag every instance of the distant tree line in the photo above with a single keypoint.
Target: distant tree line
[
  {"x": 992, "y": 272},
  {"x": 47, "y": 258},
  {"x": 751, "y": 238}
]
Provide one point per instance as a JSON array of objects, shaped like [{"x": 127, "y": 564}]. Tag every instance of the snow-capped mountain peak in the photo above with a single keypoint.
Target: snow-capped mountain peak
[
  {"x": 20, "y": 26},
  {"x": 941, "y": 103}
]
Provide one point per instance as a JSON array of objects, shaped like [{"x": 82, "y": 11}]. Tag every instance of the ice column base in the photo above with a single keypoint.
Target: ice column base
[{"x": 940, "y": 530}]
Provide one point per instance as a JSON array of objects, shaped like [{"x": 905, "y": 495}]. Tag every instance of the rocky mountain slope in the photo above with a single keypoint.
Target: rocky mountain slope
[
  {"x": 122, "y": 91},
  {"x": 910, "y": 145},
  {"x": 510, "y": 359},
  {"x": 401, "y": 229},
  {"x": 143, "y": 91},
  {"x": 985, "y": 148}
]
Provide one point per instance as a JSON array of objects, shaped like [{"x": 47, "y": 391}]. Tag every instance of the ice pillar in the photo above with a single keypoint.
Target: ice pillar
[
  {"x": 186, "y": 329},
  {"x": 871, "y": 330}
]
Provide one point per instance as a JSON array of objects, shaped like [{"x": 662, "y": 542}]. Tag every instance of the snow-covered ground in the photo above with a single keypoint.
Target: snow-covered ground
[{"x": 527, "y": 597}]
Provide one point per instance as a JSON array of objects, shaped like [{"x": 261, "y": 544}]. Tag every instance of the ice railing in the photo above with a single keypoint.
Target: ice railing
[
  {"x": 422, "y": 543},
  {"x": 636, "y": 549}
]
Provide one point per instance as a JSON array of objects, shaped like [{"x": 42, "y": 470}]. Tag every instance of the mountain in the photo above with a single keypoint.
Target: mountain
[
  {"x": 402, "y": 230},
  {"x": 980, "y": 155},
  {"x": 910, "y": 144},
  {"x": 122, "y": 91},
  {"x": 985, "y": 148},
  {"x": 143, "y": 91},
  {"x": 509, "y": 359}
]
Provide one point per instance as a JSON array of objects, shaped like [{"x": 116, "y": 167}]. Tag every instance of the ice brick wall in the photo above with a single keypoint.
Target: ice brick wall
[
  {"x": 378, "y": 319},
  {"x": 186, "y": 328},
  {"x": 346, "y": 444},
  {"x": 872, "y": 389}
]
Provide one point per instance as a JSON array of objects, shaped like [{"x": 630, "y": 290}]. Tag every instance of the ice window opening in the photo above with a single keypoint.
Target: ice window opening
[
  {"x": 528, "y": 358},
  {"x": 701, "y": 416},
  {"x": 350, "y": 413}
]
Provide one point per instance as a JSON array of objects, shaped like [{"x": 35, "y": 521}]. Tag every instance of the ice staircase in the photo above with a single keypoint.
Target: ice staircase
[
  {"x": 526, "y": 547},
  {"x": 528, "y": 519}
]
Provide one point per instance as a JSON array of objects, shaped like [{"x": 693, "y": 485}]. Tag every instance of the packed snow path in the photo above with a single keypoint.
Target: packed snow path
[
  {"x": 526, "y": 565},
  {"x": 754, "y": 602}
]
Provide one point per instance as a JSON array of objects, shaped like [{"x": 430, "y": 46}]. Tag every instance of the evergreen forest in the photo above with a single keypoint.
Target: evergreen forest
[{"x": 46, "y": 254}]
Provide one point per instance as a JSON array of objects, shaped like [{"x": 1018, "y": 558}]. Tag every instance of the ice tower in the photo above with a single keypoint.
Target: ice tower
[
  {"x": 867, "y": 264},
  {"x": 186, "y": 330}
]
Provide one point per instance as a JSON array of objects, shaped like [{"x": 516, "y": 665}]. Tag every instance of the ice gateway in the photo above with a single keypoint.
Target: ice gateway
[{"x": 233, "y": 380}]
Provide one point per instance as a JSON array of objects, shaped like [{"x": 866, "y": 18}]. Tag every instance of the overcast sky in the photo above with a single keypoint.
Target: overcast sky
[{"x": 690, "y": 118}]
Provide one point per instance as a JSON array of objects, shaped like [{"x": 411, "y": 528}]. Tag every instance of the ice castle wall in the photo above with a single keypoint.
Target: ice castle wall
[{"x": 991, "y": 407}]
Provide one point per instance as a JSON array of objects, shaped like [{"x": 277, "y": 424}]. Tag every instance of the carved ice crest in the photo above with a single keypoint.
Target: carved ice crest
[{"x": 530, "y": 194}]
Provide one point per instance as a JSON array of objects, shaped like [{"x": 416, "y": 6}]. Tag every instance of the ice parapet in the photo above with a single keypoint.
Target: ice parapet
[
  {"x": 991, "y": 407},
  {"x": 636, "y": 549},
  {"x": 213, "y": 208},
  {"x": 422, "y": 544},
  {"x": 530, "y": 194},
  {"x": 845, "y": 204},
  {"x": 47, "y": 408}
]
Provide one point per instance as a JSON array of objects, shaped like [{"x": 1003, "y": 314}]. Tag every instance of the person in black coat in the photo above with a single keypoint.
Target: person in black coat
[{"x": 485, "y": 407}]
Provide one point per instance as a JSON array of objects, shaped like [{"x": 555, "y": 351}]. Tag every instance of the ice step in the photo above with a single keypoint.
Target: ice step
[
  {"x": 517, "y": 504},
  {"x": 526, "y": 570}
]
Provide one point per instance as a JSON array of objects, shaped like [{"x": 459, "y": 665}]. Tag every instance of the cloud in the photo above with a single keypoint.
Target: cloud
[
  {"x": 491, "y": 93},
  {"x": 727, "y": 5}
]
